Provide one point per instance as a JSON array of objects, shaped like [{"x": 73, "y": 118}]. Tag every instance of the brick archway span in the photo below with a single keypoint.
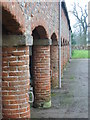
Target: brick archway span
[
  {"x": 54, "y": 33},
  {"x": 39, "y": 33},
  {"x": 12, "y": 17},
  {"x": 54, "y": 38},
  {"x": 38, "y": 21}
]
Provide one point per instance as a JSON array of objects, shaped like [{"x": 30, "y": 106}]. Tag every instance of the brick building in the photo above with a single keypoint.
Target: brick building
[{"x": 30, "y": 41}]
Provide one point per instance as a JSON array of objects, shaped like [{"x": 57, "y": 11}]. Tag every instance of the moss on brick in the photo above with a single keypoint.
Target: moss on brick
[{"x": 47, "y": 104}]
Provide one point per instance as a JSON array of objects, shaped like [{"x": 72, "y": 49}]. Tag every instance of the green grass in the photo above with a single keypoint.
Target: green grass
[{"x": 80, "y": 54}]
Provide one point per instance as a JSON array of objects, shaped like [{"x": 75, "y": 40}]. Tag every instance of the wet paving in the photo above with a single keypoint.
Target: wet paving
[{"x": 71, "y": 101}]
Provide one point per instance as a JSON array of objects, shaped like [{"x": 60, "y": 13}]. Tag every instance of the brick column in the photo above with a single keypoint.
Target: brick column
[
  {"x": 0, "y": 82},
  {"x": 62, "y": 60},
  {"x": 63, "y": 56},
  {"x": 68, "y": 52},
  {"x": 41, "y": 73},
  {"x": 54, "y": 65},
  {"x": 65, "y": 53},
  {"x": 15, "y": 79}
]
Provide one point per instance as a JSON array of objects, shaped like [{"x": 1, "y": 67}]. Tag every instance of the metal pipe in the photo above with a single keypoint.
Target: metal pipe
[{"x": 59, "y": 43}]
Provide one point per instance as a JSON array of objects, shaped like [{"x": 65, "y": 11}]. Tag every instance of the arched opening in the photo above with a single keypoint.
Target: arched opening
[
  {"x": 40, "y": 68},
  {"x": 54, "y": 61},
  {"x": 39, "y": 33},
  {"x": 10, "y": 23},
  {"x": 54, "y": 39}
]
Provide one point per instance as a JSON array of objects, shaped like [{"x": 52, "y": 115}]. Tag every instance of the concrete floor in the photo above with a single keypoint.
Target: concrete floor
[{"x": 71, "y": 101}]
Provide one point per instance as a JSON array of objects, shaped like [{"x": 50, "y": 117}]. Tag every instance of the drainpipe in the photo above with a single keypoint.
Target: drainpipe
[{"x": 59, "y": 43}]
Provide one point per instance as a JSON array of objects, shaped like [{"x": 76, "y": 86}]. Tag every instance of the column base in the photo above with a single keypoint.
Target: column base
[{"x": 42, "y": 105}]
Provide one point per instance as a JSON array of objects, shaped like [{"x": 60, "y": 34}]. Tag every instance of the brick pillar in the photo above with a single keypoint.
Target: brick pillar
[
  {"x": 41, "y": 74},
  {"x": 68, "y": 52},
  {"x": 62, "y": 60},
  {"x": 0, "y": 83},
  {"x": 15, "y": 82},
  {"x": 54, "y": 65},
  {"x": 66, "y": 55},
  {"x": 63, "y": 56},
  {"x": 15, "y": 78}
]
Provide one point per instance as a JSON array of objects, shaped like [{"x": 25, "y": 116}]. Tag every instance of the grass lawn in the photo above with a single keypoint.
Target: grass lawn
[{"x": 80, "y": 54}]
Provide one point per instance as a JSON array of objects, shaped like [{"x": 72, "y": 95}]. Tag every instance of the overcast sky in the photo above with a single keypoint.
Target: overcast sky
[{"x": 69, "y": 7}]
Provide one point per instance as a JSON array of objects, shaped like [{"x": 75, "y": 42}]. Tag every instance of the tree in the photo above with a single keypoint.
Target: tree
[
  {"x": 73, "y": 42},
  {"x": 81, "y": 24}
]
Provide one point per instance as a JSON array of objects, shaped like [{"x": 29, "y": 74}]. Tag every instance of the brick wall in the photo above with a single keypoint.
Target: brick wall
[
  {"x": 30, "y": 15},
  {"x": 15, "y": 82},
  {"x": 0, "y": 83},
  {"x": 41, "y": 76},
  {"x": 64, "y": 27},
  {"x": 54, "y": 65},
  {"x": 15, "y": 76},
  {"x": 42, "y": 13},
  {"x": 16, "y": 20}
]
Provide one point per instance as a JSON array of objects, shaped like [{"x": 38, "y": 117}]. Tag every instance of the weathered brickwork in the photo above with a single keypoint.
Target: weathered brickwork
[
  {"x": 41, "y": 76},
  {"x": 54, "y": 61},
  {"x": 48, "y": 14},
  {"x": 13, "y": 20},
  {"x": 39, "y": 20},
  {"x": 54, "y": 65},
  {"x": 64, "y": 27},
  {"x": 15, "y": 82},
  {"x": 0, "y": 82}
]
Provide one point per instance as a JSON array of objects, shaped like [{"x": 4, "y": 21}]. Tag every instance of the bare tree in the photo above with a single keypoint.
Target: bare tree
[{"x": 81, "y": 16}]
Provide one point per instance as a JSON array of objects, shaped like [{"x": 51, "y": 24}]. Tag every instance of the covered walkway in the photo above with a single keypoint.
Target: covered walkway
[{"x": 71, "y": 101}]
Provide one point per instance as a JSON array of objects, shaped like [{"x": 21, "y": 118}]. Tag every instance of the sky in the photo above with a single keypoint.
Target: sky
[{"x": 69, "y": 3}]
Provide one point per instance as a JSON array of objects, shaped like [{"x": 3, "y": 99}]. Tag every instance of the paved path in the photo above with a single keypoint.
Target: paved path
[{"x": 71, "y": 101}]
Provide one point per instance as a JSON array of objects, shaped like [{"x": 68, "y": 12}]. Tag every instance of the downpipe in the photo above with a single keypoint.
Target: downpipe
[{"x": 59, "y": 43}]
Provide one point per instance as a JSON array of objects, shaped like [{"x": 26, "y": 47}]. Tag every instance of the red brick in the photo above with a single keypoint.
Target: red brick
[
  {"x": 4, "y": 74},
  {"x": 10, "y": 79},
  {"x": 18, "y": 53},
  {"x": 16, "y": 73},
  {"x": 16, "y": 63}
]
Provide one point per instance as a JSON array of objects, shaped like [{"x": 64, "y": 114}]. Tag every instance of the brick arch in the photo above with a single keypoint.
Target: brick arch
[
  {"x": 38, "y": 21},
  {"x": 39, "y": 33},
  {"x": 54, "y": 32},
  {"x": 12, "y": 18},
  {"x": 54, "y": 38}
]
